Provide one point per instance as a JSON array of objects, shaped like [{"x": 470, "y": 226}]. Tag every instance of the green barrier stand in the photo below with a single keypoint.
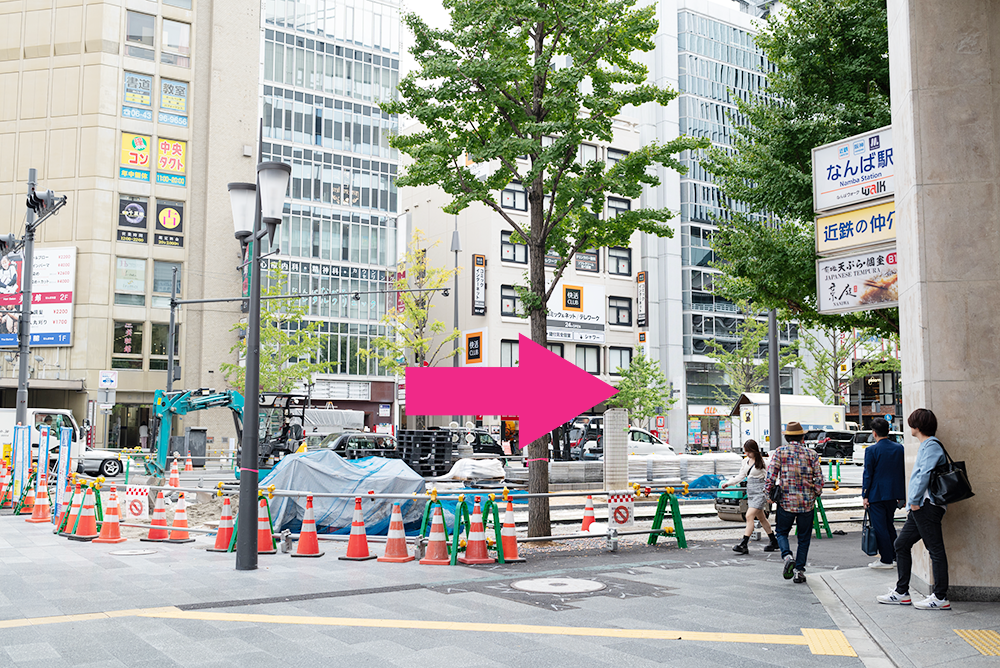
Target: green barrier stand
[
  {"x": 675, "y": 516},
  {"x": 497, "y": 527},
  {"x": 270, "y": 524},
  {"x": 425, "y": 526},
  {"x": 819, "y": 520},
  {"x": 461, "y": 513},
  {"x": 28, "y": 484}
]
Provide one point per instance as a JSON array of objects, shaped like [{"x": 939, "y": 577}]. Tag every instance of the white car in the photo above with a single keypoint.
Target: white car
[
  {"x": 859, "y": 448},
  {"x": 641, "y": 442},
  {"x": 96, "y": 462}
]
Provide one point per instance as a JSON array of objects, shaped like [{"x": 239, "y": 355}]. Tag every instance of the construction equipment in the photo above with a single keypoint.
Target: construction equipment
[{"x": 181, "y": 402}]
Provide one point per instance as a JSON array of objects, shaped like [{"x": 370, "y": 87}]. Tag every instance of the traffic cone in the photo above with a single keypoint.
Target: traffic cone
[
  {"x": 357, "y": 544},
  {"x": 111, "y": 531},
  {"x": 265, "y": 536},
  {"x": 225, "y": 534},
  {"x": 28, "y": 503},
  {"x": 74, "y": 511},
  {"x": 86, "y": 528},
  {"x": 437, "y": 546},
  {"x": 156, "y": 533},
  {"x": 175, "y": 477},
  {"x": 42, "y": 511},
  {"x": 187, "y": 464},
  {"x": 475, "y": 550},
  {"x": 178, "y": 533},
  {"x": 5, "y": 488},
  {"x": 508, "y": 536},
  {"x": 395, "y": 544},
  {"x": 308, "y": 545},
  {"x": 588, "y": 515}
]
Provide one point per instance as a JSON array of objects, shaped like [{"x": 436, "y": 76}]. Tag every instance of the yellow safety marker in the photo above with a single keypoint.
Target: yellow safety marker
[
  {"x": 819, "y": 641},
  {"x": 987, "y": 642}
]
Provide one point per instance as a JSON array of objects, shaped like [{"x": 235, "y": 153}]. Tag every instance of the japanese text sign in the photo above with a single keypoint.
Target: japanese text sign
[
  {"x": 853, "y": 171},
  {"x": 858, "y": 282},
  {"x": 860, "y": 227},
  {"x": 577, "y": 313},
  {"x": 171, "y": 156},
  {"x": 135, "y": 156}
]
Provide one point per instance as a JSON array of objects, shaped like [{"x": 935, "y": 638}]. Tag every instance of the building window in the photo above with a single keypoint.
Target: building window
[
  {"x": 514, "y": 197},
  {"x": 130, "y": 281},
  {"x": 183, "y": 4},
  {"x": 588, "y": 153},
  {"x": 588, "y": 260},
  {"x": 158, "y": 337},
  {"x": 619, "y": 359},
  {"x": 588, "y": 358},
  {"x": 620, "y": 311},
  {"x": 140, "y": 31},
  {"x": 614, "y": 155},
  {"x": 162, "y": 274},
  {"x": 556, "y": 348},
  {"x": 512, "y": 252},
  {"x": 509, "y": 353},
  {"x": 510, "y": 304},
  {"x": 617, "y": 205},
  {"x": 176, "y": 47},
  {"x": 127, "y": 350},
  {"x": 620, "y": 261}
]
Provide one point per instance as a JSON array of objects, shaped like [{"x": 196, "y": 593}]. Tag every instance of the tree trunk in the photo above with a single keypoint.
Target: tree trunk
[{"x": 539, "y": 523}]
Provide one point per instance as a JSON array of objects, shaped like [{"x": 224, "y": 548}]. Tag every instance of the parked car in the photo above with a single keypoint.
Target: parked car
[
  {"x": 640, "y": 442},
  {"x": 858, "y": 456},
  {"x": 830, "y": 443},
  {"x": 357, "y": 445},
  {"x": 94, "y": 461}
]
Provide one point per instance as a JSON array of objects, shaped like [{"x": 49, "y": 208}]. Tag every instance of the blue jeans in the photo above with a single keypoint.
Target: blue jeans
[{"x": 783, "y": 521}]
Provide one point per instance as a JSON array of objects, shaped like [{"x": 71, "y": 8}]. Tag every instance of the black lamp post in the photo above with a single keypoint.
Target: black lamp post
[{"x": 254, "y": 205}]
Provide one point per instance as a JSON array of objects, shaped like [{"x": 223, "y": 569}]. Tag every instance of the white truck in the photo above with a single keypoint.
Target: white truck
[
  {"x": 752, "y": 416},
  {"x": 53, "y": 418}
]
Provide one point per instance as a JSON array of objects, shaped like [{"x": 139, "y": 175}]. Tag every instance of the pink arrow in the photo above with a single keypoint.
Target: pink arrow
[{"x": 544, "y": 391}]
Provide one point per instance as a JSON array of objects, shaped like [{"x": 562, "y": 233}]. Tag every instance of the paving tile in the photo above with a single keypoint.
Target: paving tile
[{"x": 36, "y": 651}]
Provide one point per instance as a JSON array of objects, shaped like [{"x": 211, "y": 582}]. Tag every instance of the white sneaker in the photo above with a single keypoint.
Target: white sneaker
[
  {"x": 894, "y": 598},
  {"x": 880, "y": 564},
  {"x": 932, "y": 602}
]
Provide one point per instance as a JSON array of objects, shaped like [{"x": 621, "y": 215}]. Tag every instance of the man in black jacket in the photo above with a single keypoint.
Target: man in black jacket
[{"x": 883, "y": 490}]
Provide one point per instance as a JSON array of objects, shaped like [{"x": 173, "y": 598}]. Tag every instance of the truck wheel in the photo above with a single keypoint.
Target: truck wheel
[{"x": 110, "y": 468}]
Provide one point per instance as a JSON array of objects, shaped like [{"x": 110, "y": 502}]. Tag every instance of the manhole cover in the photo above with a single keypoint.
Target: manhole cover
[
  {"x": 131, "y": 553},
  {"x": 559, "y": 586}
]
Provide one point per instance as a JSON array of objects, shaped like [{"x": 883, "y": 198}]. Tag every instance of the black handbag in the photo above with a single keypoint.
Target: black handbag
[
  {"x": 949, "y": 482},
  {"x": 776, "y": 493},
  {"x": 869, "y": 545}
]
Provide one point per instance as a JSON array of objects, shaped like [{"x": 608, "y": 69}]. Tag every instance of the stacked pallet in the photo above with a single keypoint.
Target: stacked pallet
[{"x": 426, "y": 451}]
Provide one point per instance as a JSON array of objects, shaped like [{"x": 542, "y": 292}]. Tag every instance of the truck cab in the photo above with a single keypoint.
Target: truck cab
[{"x": 54, "y": 418}]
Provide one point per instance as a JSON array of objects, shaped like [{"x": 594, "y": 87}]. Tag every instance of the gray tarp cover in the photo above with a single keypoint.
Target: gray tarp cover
[
  {"x": 329, "y": 420},
  {"x": 326, "y": 471}
]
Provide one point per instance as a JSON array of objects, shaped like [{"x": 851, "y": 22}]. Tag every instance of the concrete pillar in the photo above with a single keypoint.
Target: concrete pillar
[
  {"x": 615, "y": 449},
  {"x": 945, "y": 72}
]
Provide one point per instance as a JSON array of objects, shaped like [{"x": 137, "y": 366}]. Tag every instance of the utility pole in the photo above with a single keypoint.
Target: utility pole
[
  {"x": 170, "y": 331},
  {"x": 773, "y": 380}
]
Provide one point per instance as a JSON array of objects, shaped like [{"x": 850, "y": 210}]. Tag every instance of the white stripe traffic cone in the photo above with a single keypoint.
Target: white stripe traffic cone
[
  {"x": 475, "y": 551},
  {"x": 357, "y": 544},
  {"x": 395, "y": 544},
  {"x": 508, "y": 536}
]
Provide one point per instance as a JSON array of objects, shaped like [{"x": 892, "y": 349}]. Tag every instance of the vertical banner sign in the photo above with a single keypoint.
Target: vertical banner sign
[
  {"x": 478, "y": 285},
  {"x": 173, "y": 103},
  {"x": 21, "y": 459},
  {"x": 474, "y": 348},
  {"x": 400, "y": 305},
  {"x": 135, "y": 157},
  {"x": 10, "y": 300},
  {"x": 641, "y": 301},
  {"x": 171, "y": 162},
  {"x": 62, "y": 468},
  {"x": 137, "y": 99}
]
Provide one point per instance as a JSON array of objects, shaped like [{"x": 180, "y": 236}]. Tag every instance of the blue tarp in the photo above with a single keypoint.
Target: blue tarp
[
  {"x": 326, "y": 471},
  {"x": 705, "y": 482}
]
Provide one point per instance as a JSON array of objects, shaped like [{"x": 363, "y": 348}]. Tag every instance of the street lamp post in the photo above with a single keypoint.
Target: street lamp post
[
  {"x": 254, "y": 205},
  {"x": 456, "y": 248}
]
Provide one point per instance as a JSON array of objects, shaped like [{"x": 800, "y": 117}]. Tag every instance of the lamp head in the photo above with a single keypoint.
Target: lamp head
[{"x": 243, "y": 199}]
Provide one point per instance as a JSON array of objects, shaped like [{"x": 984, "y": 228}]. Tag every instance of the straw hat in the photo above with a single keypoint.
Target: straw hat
[{"x": 794, "y": 429}]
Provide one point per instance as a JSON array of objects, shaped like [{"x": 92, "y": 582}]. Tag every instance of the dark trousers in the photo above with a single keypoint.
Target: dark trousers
[
  {"x": 783, "y": 521},
  {"x": 925, "y": 525},
  {"x": 880, "y": 514}
]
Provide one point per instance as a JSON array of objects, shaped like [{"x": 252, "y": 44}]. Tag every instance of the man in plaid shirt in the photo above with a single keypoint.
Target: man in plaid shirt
[{"x": 796, "y": 470}]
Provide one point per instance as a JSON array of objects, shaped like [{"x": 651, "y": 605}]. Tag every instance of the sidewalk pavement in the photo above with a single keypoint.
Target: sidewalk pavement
[{"x": 65, "y": 603}]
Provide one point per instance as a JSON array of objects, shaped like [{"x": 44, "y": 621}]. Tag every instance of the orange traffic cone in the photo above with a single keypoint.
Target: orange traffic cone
[
  {"x": 475, "y": 550},
  {"x": 86, "y": 528},
  {"x": 111, "y": 531},
  {"x": 175, "y": 477},
  {"x": 308, "y": 545},
  {"x": 28, "y": 503},
  {"x": 43, "y": 509},
  {"x": 508, "y": 536},
  {"x": 437, "y": 546},
  {"x": 187, "y": 464},
  {"x": 5, "y": 501},
  {"x": 265, "y": 536},
  {"x": 74, "y": 511},
  {"x": 178, "y": 533},
  {"x": 588, "y": 515},
  {"x": 395, "y": 545},
  {"x": 156, "y": 533},
  {"x": 357, "y": 544},
  {"x": 225, "y": 534}
]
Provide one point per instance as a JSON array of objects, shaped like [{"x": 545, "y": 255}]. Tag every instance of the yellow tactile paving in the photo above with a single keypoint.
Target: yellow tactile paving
[
  {"x": 986, "y": 641},
  {"x": 819, "y": 641}
]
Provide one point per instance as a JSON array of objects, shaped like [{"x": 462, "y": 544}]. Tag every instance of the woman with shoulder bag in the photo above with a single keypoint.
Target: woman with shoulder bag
[
  {"x": 753, "y": 471},
  {"x": 923, "y": 521}
]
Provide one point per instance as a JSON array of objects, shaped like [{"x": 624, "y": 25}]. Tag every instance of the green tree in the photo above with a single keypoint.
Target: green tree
[
  {"x": 412, "y": 333},
  {"x": 829, "y": 374},
  {"x": 830, "y": 80},
  {"x": 289, "y": 343},
  {"x": 642, "y": 390},
  {"x": 745, "y": 362},
  {"x": 516, "y": 86}
]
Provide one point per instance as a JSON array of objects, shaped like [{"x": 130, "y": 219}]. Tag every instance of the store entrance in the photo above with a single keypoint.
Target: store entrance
[{"x": 125, "y": 426}]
